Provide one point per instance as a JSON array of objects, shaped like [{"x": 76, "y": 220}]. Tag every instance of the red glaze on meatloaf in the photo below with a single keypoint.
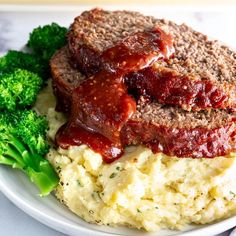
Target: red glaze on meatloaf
[
  {"x": 205, "y": 134},
  {"x": 205, "y": 66},
  {"x": 163, "y": 128}
]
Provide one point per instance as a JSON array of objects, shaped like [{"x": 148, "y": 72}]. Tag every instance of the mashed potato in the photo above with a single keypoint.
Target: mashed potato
[{"x": 142, "y": 190}]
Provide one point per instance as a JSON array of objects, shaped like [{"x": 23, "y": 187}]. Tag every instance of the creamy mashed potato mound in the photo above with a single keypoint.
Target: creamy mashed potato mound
[{"x": 141, "y": 190}]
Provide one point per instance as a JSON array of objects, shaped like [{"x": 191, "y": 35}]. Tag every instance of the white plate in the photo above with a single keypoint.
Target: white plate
[{"x": 48, "y": 210}]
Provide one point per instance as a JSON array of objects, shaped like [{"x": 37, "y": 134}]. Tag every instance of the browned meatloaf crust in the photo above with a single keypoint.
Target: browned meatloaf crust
[
  {"x": 202, "y": 64},
  {"x": 166, "y": 129},
  {"x": 65, "y": 78}
]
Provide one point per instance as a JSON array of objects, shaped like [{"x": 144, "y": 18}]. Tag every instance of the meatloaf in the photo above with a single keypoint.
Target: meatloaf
[
  {"x": 65, "y": 78},
  {"x": 164, "y": 128},
  {"x": 202, "y": 64}
]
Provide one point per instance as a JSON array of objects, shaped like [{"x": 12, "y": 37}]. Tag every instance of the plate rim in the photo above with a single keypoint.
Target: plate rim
[
  {"x": 217, "y": 227},
  {"x": 35, "y": 213}
]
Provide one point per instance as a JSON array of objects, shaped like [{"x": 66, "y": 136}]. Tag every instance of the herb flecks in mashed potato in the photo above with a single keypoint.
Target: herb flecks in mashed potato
[
  {"x": 152, "y": 191},
  {"x": 142, "y": 189}
]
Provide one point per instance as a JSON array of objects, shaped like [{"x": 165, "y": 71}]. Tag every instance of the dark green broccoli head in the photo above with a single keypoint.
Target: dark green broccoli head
[
  {"x": 46, "y": 40},
  {"x": 31, "y": 128},
  {"x": 27, "y": 126},
  {"x": 23, "y": 144},
  {"x": 11, "y": 147},
  {"x": 18, "y": 89},
  {"x": 16, "y": 59}
]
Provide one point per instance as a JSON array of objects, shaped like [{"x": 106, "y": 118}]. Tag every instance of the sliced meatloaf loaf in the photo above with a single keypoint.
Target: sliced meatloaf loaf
[
  {"x": 163, "y": 128},
  {"x": 202, "y": 64},
  {"x": 65, "y": 79}
]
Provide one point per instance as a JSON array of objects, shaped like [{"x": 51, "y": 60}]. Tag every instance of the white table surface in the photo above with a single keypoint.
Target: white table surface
[{"x": 14, "y": 28}]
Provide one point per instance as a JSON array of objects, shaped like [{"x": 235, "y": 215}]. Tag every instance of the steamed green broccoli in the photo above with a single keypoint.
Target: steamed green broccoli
[
  {"x": 16, "y": 59},
  {"x": 23, "y": 145},
  {"x": 18, "y": 89},
  {"x": 44, "y": 41}
]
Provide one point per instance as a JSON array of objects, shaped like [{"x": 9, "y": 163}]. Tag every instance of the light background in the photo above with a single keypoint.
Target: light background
[{"x": 97, "y": 2}]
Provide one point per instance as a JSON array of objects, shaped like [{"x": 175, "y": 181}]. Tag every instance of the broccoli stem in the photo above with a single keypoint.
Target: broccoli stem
[
  {"x": 9, "y": 162},
  {"x": 35, "y": 166},
  {"x": 16, "y": 144},
  {"x": 14, "y": 154},
  {"x": 45, "y": 179}
]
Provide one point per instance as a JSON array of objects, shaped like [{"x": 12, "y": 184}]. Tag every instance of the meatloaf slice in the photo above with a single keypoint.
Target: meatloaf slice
[
  {"x": 65, "y": 79},
  {"x": 166, "y": 129},
  {"x": 196, "y": 58},
  {"x": 175, "y": 132}
]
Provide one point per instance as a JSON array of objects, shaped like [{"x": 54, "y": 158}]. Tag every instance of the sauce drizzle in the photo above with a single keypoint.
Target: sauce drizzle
[{"x": 101, "y": 104}]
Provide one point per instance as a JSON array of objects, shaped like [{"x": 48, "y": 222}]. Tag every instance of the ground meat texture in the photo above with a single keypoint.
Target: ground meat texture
[
  {"x": 169, "y": 87},
  {"x": 101, "y": 104},
  {"x": 181, "y": 133},
  {"x": 154, "y": 120},
  {"x": 195, "y": 59},
  {"x": 65, "y": 79}
]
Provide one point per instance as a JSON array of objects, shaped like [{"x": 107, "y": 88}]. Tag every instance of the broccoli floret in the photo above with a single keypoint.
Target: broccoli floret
[
  {"x": 46, "y": 40},
  {"x": 23, "y": 145},
  {"x": 16, "y": 59},
  {"x": 18, "y": 89},
  {"x": 32, "y": 129}
]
